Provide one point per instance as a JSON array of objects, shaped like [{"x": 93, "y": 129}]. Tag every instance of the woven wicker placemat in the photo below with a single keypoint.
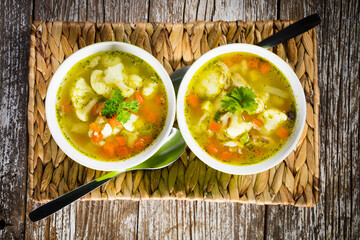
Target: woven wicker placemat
[{"x": 295, "y": 181}]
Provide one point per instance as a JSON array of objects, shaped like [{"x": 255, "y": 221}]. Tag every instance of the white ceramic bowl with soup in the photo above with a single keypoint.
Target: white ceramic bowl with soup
[
  {"x": 110, "y": 106},
  {"x": 241, "y": 109}
]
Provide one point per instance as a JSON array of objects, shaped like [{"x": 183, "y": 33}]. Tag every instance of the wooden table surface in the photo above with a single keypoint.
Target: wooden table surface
[{"x": 337, "y": 214}]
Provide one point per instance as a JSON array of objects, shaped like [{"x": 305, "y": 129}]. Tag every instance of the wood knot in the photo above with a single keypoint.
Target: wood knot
[{"x": 2, "y": 223}]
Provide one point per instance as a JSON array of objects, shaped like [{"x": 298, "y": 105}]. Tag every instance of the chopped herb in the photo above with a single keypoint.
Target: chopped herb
[
  {"x": 111, "y": 105},
  {"x": 217, "y": 116},
  {"x": 115, "y": 105},
  {"x": 123, "y": 111},
  {"x": 240, "y": 99}
]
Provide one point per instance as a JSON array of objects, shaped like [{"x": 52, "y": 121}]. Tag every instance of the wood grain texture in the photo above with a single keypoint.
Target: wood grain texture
[
  {"x": 336, "y": 216},
  {"x": 14, "y": 30}
]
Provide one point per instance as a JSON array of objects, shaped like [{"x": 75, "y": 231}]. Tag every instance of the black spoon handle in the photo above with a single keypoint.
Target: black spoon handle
[{"x": 291, "y": 31}]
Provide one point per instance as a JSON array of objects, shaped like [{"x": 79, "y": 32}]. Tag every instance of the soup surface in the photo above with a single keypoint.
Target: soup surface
[
  {"x": 111, "y": 105},
  {"x": 240, "y": 108}
]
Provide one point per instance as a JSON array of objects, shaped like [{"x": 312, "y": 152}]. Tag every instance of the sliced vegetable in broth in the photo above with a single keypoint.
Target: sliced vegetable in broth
[
  {"x": 240, "y": 108},
  {"x": 111, "y": 105}
]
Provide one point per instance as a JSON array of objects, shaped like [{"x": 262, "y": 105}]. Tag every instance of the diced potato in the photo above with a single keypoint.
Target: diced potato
[
  {"x": 134, "y": 81},
  {"x": 83, "y": 98},
  {"x": 149, "y": 89},
  {"x": 115, "y": 76},
  {"x": 110, "y": 60},
  {"x": 98, "y": 84},
  {"x": 276, "y": 100},
  {"x": 210, "y": 86},
  {"x": 237, "y": 126},
  {"x": 272, "y": 118}
]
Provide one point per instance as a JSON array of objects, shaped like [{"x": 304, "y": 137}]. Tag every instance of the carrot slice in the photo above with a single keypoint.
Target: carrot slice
[
  {"x": 257, "y": 122},
  {"x": 96, "y": 138},
  {"x": 193, "y": 100},
  {"x": 226, "y": 155},
  {"x": 94, "y": 127},
  {"x": 214, "y": 126},
  {"x": 122, "y": 152},
  {"x": 113, "y": 122},
  {"x": 109, "y": 148},
  {"x": 101, "y": 107},
  {"x": 246, "y": 116},
  {"x": 212, "y": 148},
  {"x": 139, "y": 98},
  {"x": 228, "y": 61},
  {"x": 282, "y": 132},
  {"x": 253, "y": 62},
  {"x": 149, "y": 115},
  {"x": 121, "y": 140},
  {"x": 264, "y": 67}
]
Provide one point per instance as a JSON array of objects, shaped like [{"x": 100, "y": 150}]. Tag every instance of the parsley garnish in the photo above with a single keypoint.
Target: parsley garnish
[
  {"x": 240, "y": 99},
  {"x": 115, "y": 105},
  {"x": 111, "y": 105},
  {"x": 123, "y": 111}
]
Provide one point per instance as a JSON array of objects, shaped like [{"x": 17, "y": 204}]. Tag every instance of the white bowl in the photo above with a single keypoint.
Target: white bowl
[
  {"x": 51, "y": 111},
  {"x": 300, "y": 110}
]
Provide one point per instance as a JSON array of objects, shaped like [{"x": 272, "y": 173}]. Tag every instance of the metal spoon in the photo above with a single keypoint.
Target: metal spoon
[
  {"x": 283, "y": 35},
  {"x": 167, "y": 154}
]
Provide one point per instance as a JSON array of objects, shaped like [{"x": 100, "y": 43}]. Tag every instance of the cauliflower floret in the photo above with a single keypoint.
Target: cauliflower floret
[
  {"x": 98, "y": 84},
  {"x": 106, "y": 131},
  {"x": 134, "y": 81},
  {"x": 83, "y": 98},
  {"x": 115, "y": 75},
  {"x": 211, "y": 85},
  {"x": 94, "y": 62},
  {"x": 272, "y": 118},
  {"x": 149, "y": 89},
  {"x": 237, "y": 126},
  {"x": 129, "y": 124}
]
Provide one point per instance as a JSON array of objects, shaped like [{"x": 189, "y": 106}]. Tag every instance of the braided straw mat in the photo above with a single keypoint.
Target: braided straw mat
[{"x": 295, "y": 181}]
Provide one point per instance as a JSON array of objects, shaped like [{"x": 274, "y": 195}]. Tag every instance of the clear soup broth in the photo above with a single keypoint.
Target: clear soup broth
[
  {"x": 111, "y": 105},
  {"x": 240, "y": 108}
]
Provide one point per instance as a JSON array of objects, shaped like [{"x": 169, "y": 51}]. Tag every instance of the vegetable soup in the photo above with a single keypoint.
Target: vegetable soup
[
  {"x": 111, "y": 105},
  {"x": 240, "y": 108}
]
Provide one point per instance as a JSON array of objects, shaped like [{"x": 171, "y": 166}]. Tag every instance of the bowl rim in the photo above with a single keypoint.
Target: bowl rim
[
  {"x": 51, "y": 99},
  {"x": 298, "y": 95}
]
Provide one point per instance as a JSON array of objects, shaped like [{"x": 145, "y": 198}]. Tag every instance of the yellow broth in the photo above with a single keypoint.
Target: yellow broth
[
  {"x": 240, "y": 138},
  {"x": 86, "y": 129}
]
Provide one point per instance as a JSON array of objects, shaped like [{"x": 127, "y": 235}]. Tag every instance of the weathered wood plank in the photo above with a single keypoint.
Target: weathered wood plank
[
  {"x": 288, "y": 222},
  {"x": 126, "y": 11},
  {"x": 336, "y": 215},
  {"x": 93, "y": 219},
  {"x": 14, "y": 28}
]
